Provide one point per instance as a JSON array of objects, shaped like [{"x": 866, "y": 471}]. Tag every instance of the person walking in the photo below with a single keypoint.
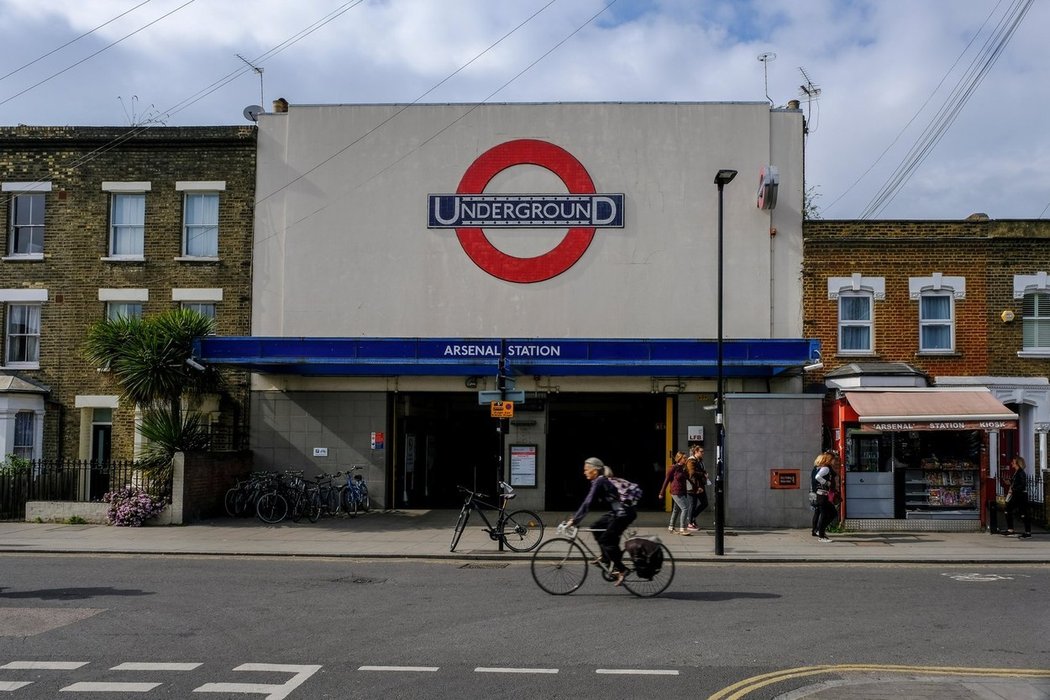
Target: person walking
[
  {"x": 675, "y": 480},
  {"x": 611, "y": 526},
  {"x": 823, "y": 482},
  {"x": 1017, "y": 499},
  {"x": 698, "y": 476}
]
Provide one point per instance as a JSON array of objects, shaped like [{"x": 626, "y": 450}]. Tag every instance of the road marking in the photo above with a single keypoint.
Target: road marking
[
  {"x": 159, "y": 666},
  {"x": 410, "y": 669},
  {"x": 43, "y": 665},
  {"x": 488, "y": 669},
  {"x": 9, "y": 686},
  {"x": 90, "y": 687},
  {"x": 979, "y": 577},
  {"x": 745, "y": 687},
  {"x": 271, "y": 691},
  {"x": 637, "y": 671}
]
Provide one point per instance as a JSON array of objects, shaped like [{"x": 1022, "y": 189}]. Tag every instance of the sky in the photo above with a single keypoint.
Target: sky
[{"x": 917, "y": 109}]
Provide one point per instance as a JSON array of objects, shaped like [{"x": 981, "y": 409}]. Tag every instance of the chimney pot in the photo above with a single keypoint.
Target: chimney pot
[{"x": 280, "y": 105}]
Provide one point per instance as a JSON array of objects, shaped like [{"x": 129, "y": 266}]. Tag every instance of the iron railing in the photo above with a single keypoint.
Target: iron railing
[{"x": 71, "y": 480}]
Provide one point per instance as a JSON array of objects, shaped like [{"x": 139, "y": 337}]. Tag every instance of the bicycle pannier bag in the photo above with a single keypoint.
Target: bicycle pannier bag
[
  {"x": 630, "y": 492},
  {"x": 646, "y": 555}
]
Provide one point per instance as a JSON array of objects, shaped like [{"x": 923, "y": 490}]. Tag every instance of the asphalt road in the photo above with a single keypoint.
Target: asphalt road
[{"x": 149, "y": 627}]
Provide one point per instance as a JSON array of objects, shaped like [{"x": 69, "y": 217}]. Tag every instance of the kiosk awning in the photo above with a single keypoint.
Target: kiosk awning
[{"x": 931, "y": 409}]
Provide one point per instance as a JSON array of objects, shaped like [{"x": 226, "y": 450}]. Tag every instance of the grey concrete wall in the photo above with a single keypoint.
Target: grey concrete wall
[
  {"x": 287, "y": 426},
  {"x": 765, "y": 432}
]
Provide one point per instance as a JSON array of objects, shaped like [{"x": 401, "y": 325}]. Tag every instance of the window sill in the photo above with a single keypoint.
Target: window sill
[
  {"x": 193, "y": 258},
  {"x": 856, "y": 353},
  {"x": 1035, "y": 354},
  {"x": 123, "y": 258},
  {"x": 938, "y": 353},
  {"x": 36, "y": 257},
  {"x": 21, "y": 365}
]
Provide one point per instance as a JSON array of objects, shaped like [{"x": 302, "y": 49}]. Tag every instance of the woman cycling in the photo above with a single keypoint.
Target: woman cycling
[{"x": 612, "y": 525}]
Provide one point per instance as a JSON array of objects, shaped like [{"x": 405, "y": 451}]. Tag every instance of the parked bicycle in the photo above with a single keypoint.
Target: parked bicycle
[
  {"x": 241, "y": 498},
  {"x": 560, "y": 565},
  {"x": 291, "y": 496},
  {"x": 520, "y": 530},
  {"x": 354, "y": 494}
]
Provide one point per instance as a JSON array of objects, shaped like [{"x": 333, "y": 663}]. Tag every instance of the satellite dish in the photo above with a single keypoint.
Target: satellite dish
[{"x": 252, "y": 112}]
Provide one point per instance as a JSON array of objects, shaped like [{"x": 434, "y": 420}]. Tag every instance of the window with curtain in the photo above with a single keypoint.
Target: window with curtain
[
  {"x": 935, "y": 323},
  {"x": 123, "y": 309},
  {"x": 128, "y": 225},
  {"x": 856, "y": 329},
  {"x": 25, "y": 434},
  {"x": 201, "y": 225},
  {"x": 22, "y": 340},
  {"x": 1036, "y": 321},
  {"x": 27, "y": 224},
  {"x": 204, "y": 308}
]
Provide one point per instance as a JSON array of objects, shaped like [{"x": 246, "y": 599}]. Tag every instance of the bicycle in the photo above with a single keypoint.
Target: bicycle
[
  {"x": 354, "y": 494},
  {"x": 520, "y": 530},
  {"x": 560, "y": 566}
]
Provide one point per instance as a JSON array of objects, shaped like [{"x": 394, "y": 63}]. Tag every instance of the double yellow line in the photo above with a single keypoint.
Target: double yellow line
[{"x": 749, "y": 685}]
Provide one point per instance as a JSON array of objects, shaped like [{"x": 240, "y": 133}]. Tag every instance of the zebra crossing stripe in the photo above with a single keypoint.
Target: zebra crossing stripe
[
  {"x": 93, "y": 687},
  {"x": 159, "y": 666},
  {"x": 11, "y": 686},
  {"x": 43, "y": 665}
]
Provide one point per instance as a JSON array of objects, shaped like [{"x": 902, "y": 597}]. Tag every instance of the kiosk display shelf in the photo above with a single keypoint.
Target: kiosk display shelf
[{"x": 949, "y": 487}]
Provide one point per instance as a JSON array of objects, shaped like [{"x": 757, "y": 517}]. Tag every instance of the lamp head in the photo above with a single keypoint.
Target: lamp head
[{"x": 724, "y": 176}]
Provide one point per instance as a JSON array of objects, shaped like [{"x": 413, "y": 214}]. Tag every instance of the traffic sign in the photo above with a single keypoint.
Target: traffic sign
[
  {"x": 501, "y": 409},
  {"x": 485, "y": 397}
]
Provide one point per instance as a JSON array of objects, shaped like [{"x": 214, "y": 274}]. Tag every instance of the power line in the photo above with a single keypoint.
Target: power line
[{"x": 72, "y": 41}]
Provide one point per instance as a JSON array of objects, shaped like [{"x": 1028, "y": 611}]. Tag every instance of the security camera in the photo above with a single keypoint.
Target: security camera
[
  {"x": 813, "y": 367},
  {"x": 195, "y": 365}
]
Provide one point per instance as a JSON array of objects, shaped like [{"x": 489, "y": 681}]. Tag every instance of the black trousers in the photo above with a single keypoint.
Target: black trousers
[
  {"x": 1018, "y": 504},
  {"x": 823, "y": 513},
  {"x": 613, "y": 525}
]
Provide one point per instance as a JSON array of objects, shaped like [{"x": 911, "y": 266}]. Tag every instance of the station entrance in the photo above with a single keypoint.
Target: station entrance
[{"x": 446, "y": 440}]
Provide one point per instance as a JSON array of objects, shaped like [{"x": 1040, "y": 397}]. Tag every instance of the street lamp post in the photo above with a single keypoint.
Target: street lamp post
[{"x": 722, "y": 178}]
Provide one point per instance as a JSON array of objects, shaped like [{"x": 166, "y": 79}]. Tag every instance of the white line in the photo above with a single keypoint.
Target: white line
[
  {"x": 429, "y": 669},
  {"x": 483, "y": 669},
  {"x": 159, "y": 666},
  {"x": 272, "y": 692},
  {"x": 87, "y": 687},
  {"x": 637, "y": 671},
  {"x": 8, "y": 686},
  {"x": 43, "y": 665},
  {"x": 257, "y": 688}
]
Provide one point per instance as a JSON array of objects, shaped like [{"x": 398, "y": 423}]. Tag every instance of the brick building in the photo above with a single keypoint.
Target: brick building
[
  {"x": 932, "y": 307},
  {"x": 113, "y": 221}
]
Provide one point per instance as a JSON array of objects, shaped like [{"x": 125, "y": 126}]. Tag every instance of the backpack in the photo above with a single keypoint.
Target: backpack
[
  {"x": 630, "y": 492},
  {"x": 646, "y": 554}
]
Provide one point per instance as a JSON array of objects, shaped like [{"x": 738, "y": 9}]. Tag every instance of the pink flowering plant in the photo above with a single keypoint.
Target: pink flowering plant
[{"x": 130, "y": 507}]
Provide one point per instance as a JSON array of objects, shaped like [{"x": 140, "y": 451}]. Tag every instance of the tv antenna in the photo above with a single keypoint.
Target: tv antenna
[
  {"x": 259, "y": 70},
  {"x": 133, "y": 117},
  {"x": 766, "y": 57},
  {"x": 810, "y": 91}
]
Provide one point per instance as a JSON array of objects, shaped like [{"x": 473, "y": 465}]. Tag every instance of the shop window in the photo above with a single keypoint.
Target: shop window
[
  {"x": 936, "y": 323},
  {"x": 127, "y": 225},
  {"x": 26, "y": 232},
  {"x": 25, "y": 434},
  {"x": 201, "y": 225},
  {"x": 123, "y": 309},
  {"x": 1036, "y": 321},
  {"x": 22, "y": 337},
  {"x": 856, "y": 323}
]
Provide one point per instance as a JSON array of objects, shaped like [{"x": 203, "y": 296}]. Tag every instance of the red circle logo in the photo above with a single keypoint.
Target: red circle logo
[{"x": 555, "y": 261}]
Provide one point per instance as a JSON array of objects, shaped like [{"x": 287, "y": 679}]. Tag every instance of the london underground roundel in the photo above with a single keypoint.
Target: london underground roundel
[{"x": 470, "y": 211}]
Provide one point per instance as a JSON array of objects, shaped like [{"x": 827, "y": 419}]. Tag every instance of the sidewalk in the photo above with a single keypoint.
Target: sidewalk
[{"x": 426, "y": 534}]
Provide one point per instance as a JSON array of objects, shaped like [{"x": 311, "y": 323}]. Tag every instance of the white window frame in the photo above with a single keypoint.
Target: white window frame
[
  {"x": 26, "y": 189},
  {"x": 114, "y": 298},
  {"x": 29, "y": 362},
  {"x": 117, "y": 191},
  {"x": 191, "y": 230},
  {"x": 19, "y": 448},
  {"x": 194, "y": 298},
  {"x": 854, "y": 286},
  {"x": 125, "y": 309},
  {"x": 937, "y": 285},
  {"x": 1025, "y": 285}
]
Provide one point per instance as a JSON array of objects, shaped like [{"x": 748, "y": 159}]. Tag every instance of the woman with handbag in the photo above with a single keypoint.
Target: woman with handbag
[{"x": 824, "y": 483}]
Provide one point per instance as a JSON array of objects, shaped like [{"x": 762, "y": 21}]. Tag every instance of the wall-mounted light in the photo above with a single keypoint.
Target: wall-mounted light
[
  {"x": 1007, "y": 316},
  {"x": 813, "y": 367},
  {"x": 471, "y": 382}
]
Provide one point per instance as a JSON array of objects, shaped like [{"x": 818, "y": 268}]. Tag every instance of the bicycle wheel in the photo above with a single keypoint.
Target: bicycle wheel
[
  {"x": 331, "y": 501},
  {"x": 559, "y": 566},
  {"x": 522, "y": 530},
  {"x": 230, "y": 501},
  {"x": 349, "y": 501},
  {"x": 297, "y": 508},
  {"x": 313, "y": 506},
  {"x": 272, "y": 508},
  {"x": 647, "y": 588},
  {"x": 365, "y": 503},
  {"x": 461, "y": 525}
]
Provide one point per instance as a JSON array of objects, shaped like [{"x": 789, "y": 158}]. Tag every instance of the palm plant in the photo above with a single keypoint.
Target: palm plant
[{"x": 147, "y": 358}]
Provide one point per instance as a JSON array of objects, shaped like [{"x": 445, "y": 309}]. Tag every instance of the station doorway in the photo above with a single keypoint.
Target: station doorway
[{"x": 626, "y": 431}]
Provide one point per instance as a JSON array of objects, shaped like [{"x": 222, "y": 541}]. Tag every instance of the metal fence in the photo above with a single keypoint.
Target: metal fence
[{"x": 70, "y": 480}]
